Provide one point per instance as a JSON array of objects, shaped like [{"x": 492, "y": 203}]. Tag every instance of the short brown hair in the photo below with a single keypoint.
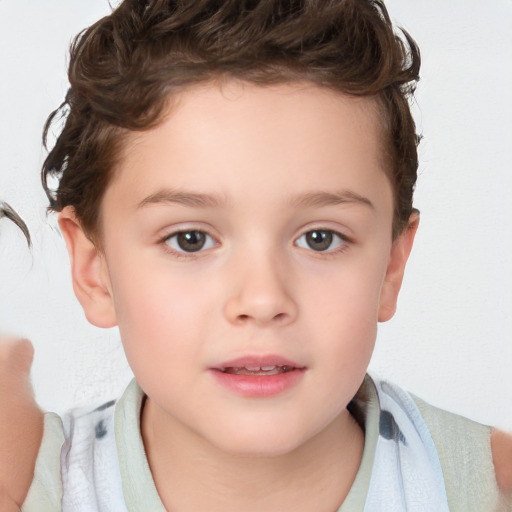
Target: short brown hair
[{"x": 124, "y": 68}]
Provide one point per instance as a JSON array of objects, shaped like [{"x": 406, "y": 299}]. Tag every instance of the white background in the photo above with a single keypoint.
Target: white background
[{"x": 451, "y": 340}]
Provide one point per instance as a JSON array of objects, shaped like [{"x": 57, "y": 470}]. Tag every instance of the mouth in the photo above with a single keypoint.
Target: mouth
[
  {"x": 257, "y": 370},
  {"x": 259, "y": 376},
  {"x": 259, "y": 365}
]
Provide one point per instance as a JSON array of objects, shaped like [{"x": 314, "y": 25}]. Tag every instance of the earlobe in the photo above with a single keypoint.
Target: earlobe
[
  {"x": 400, "y": 251},
  {"x": 88, "y": 271}
]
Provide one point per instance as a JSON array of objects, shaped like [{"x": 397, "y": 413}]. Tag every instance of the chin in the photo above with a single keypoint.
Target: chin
[{"x": 260, "y": 442}]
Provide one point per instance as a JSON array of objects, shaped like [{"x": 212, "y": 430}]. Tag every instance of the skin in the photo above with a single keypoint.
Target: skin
[
  {"x": 257, "y": 287},
  {"x": 21, "y": 428}
]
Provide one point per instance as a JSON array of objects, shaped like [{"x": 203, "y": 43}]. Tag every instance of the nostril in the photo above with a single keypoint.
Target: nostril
[{"x": 279, "y": 317}]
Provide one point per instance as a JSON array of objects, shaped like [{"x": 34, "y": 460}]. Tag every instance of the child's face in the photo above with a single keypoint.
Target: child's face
[{"x": 282, "y": 202}]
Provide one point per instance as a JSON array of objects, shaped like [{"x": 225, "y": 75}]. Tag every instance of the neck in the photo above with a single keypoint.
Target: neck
[{"x": 192, "y": 474}]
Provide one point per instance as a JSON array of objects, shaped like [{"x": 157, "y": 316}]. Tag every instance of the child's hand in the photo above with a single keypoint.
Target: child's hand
[
  {"x": 501, "y": 443},
  {"x": 21, "y": 423}
]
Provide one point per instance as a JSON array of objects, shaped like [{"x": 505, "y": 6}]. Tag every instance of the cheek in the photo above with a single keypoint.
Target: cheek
[
  {"x": 347, "y": 297},
  {"x": 157, "y": 312},
  {"x": 152, "y": 293},
  {"x": 343, "y": 313}
]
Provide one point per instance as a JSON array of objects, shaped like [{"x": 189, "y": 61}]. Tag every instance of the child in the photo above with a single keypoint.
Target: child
[{"x": 235, "y": 191}]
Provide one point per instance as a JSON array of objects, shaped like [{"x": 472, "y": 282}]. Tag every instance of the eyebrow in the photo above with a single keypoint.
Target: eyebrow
[
  {"x": 183, "y": 197},
  {"x": 319, "y": 199},
  {"x": 200, "y": 200}
]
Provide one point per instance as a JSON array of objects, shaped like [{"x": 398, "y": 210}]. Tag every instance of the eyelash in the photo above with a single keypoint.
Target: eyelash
[
  {"x": 343, "y": 242},
  {"x": 182, "y": 253}
]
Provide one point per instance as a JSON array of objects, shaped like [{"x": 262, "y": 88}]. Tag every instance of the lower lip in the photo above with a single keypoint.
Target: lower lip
[{"x": 259, "y": 386}]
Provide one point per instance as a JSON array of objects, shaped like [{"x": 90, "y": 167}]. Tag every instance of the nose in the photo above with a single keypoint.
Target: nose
[{"x": 260, "y": 293}]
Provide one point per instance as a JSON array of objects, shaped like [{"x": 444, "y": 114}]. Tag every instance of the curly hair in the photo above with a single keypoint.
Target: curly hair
[
  {"x": 9, "y": 213},
  {"x": 125, "y": 67}
]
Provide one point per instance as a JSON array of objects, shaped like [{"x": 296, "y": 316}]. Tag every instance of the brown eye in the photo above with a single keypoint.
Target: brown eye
[
  {"x": 190, "y": 241},
  {"x": 320, "y": 240}
]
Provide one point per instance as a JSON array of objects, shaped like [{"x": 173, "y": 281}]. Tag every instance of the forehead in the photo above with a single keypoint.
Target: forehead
[{"x": 240, "y": 140}]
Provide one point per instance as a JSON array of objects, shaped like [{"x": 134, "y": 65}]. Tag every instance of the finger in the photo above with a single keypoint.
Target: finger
[{"x": 16, "y": 354}]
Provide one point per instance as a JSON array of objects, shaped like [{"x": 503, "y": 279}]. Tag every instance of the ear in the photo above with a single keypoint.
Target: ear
[
  {"x": 89, "y": 272},
  {"x": 400, "y": 251}
]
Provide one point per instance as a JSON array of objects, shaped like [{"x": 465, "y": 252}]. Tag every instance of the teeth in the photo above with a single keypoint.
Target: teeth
[{"x": 257, "y": 370}]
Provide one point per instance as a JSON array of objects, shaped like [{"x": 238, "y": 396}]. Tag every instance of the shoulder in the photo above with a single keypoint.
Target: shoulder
[
  {"x": 496, "y": 443},
  {"x": 466, "y": 451},
  {"x": 78, "y": 456},
  {"x": 45, "y": 493},
  {"x": 69, "y": 448}
]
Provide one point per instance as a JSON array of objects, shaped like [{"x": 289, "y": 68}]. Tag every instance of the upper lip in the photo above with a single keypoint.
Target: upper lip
[{"x": 259, "y": 361}]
